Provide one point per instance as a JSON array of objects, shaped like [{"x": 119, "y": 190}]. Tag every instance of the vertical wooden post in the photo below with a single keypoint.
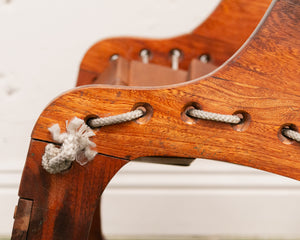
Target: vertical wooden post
[
  {"x": 63, "y": 204},
  {"x": 96, "y": 227}
]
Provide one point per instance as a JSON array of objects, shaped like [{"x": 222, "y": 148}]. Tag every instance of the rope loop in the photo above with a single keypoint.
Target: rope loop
[
  {"x": 197, "y": 113},
  {"x": 292, "y": 134},
  {"x": 111, "y": 120},
  {"x": 75, "y": 143}
]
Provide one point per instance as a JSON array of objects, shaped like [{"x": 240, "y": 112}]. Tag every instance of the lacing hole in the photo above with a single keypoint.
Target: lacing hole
[
  {"x": 205, "y": 58},
  {"x": 90, "y": 117},
  {"x": 176, "y": 52},
  {"x": 184, "y": 113},
  {"x": 148, "y": 112},
  {"x": 114, "y": 57},
  {"x": 65, "y": 171},
  {"x": 282, "y": 137},
  {"x": 244, "y": 123}
]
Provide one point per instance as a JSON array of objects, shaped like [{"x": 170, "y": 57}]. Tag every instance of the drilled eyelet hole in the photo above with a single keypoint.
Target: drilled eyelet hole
[
  {"x": 245, "y": 121},
  {"x": 184, "y": 113},
  {"x": 282, "y": 137},
  {"x": 205, "y": 58},
  {"x": 114, "y": 57},
  {"x": 67, "y": 170},
  {"x": 176, "y": 52},
  {"x": 88, "y": 118},
  {"x": 148, "y": 112}
]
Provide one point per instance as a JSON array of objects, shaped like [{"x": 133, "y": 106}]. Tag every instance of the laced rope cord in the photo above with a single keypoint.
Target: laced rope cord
[
  {"x": 197, "y": 113},
  {"x": 294, "y": 135},
  {"x": 111, "y": 120},
  {"x": 75, "y": 143}
]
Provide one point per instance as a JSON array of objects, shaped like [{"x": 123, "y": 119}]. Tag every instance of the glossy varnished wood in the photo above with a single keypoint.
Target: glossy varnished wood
[
  {"x": 22, "y": 216},
  {"x": 135, "y": 73},
  {"x": 261, "y": 79},
  {"x": 220, "y": 36},
  {"x": 64, "y": 204}
]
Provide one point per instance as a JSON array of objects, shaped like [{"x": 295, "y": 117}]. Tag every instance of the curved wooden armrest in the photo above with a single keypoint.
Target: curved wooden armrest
[{"x": 259, "y": 82}]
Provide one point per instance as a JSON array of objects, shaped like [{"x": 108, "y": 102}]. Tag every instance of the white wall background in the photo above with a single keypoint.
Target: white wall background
[{"x": 41, "y": 45}]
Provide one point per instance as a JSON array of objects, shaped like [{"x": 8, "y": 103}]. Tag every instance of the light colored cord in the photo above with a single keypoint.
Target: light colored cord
[
  {"x": 196, "y": 113},
  {"x": 75, "y": 141},
  {"x": 291, "y": 134},
  {"x": 111, "y": 120},
  {"x": 75, "y": 145}
]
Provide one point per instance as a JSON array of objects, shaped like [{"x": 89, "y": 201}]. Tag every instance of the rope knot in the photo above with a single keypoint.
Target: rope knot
[{"x": 75, "y": 146}]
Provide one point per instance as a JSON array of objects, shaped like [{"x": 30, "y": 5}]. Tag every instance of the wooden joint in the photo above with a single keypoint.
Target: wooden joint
[{"x": 22, "y": 219}]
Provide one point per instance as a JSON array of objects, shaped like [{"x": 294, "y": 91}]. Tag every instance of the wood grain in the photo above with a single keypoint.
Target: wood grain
[
  {"x": 64, "y": 204},
  {"x": 261, "y": 79},
  {"x": 261, "y": 82},
  {"x": 135, "y": 73},
  {"x": 220, "y": 36}
]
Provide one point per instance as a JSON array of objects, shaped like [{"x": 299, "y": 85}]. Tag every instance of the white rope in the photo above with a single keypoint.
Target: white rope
[
  {"x": 75, "y": 146},
  {"x": 196, "y": 113},
  {"x": 75, "y": 142},
  {"x": 125, "y": 117},
  {"x": 291, "y": 134}
]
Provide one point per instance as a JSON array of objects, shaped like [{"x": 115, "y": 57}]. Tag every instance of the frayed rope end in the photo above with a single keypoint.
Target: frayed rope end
[{"x": 75, "y": 146}]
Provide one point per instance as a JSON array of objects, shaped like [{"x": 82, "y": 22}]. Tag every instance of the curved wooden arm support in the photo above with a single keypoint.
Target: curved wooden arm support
[{"x": 261, "y": 82}]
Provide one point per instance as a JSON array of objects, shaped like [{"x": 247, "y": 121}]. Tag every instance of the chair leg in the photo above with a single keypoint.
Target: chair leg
[
  {"x": 96, "y": 227},
  {"x": 61, "y": 206}
]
